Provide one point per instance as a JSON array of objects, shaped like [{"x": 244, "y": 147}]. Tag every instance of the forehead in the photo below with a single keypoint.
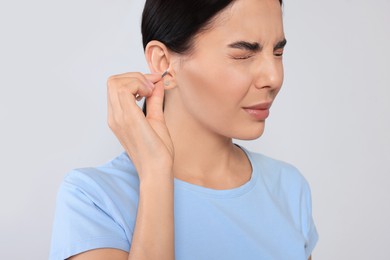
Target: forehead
[{"x": 256, "y": 19}]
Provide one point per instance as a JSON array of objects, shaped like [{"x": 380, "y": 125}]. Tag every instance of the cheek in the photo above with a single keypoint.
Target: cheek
[
  {"x": 214, "y": 94},
  {"x": 214, "y": 86}
]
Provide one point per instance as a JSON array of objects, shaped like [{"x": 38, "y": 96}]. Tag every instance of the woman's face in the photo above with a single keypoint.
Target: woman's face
[{"x": 235, "y": 65}]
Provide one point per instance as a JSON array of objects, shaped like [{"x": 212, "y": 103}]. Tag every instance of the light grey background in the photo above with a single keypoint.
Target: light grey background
[{"x": 331, "y": 120}]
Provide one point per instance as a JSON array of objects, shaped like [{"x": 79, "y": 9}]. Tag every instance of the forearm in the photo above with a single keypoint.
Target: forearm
[{"x": 153, "y": 236}]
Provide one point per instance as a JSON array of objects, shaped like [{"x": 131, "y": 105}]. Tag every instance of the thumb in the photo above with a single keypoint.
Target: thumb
[{"x": 154, "y": 103}]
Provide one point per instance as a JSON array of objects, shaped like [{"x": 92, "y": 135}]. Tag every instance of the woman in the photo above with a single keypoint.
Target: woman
[{"x": 182, "y": 189}]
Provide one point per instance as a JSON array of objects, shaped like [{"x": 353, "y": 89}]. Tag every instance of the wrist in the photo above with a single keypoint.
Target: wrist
[{"x": 156, "y": 177}]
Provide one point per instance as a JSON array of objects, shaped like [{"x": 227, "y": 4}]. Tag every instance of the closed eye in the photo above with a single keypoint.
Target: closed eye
[
  {"x": 279, "y": 52},
  {"x": 255, "y": 47},
  {"x": 242, "y": 57}
]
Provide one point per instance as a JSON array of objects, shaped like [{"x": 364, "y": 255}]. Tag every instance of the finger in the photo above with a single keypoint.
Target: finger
[
  {"x": 137, "y": 75},
  {"x": 153, "y": 78},
  {"x": 118, "y": 111},
  {"x": 147, "y": 78},
  {"x": 121, "y": 100},
  {"x": 150, "y": 80},
  {"x": 154, "y": 103},
  {"x": 136, "y": 86}
]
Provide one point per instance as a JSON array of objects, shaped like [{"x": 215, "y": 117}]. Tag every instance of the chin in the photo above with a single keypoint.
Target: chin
[{"x": 250, "y": 133}]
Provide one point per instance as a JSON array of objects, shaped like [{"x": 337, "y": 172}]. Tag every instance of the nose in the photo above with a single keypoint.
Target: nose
[{"x": 269, "y": 72}]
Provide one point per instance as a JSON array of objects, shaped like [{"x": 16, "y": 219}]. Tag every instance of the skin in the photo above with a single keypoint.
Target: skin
[
  {"x": 203, "y": 113},
  {"x": 205, "y": 93}
]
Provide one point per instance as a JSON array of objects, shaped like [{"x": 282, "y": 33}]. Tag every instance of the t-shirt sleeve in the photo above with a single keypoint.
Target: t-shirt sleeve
[
  {"x": 308, "y": 227},
  {"x": 81, "y": 225}
]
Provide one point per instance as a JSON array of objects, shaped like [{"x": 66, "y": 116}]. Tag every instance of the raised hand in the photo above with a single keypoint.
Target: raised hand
[{"x": 145, "y": 139}]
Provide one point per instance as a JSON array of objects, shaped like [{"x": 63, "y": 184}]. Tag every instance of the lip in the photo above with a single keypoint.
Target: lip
[
  {"x": 260, "y": 106},
  {"x": 259, "y": 111}
]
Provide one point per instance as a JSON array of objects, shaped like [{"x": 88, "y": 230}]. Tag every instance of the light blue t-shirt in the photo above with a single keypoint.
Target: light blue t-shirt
[{"x": 269, "y": 217}]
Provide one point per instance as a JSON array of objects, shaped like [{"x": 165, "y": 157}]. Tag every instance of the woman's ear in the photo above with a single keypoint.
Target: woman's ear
[{"x": 159, "y": 60}]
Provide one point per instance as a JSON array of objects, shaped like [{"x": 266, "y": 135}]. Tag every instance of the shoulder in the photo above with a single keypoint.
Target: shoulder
[
  {"x": 102, "y": 185},
  {"x": 291, "y": 191},
  {"x": 278, "y": 174},
  {"x": 114, "y": 174},
  {"x": 95, "y": 206},
  {"x": 283, "y": 182}
]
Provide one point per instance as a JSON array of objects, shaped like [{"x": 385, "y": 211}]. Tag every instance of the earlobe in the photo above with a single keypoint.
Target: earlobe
[
  {"x": 167, "y": 83},
  {"x": 168, "y": 79}
]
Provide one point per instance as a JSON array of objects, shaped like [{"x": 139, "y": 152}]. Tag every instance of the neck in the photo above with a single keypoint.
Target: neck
[{"x": 202, "y": 155}]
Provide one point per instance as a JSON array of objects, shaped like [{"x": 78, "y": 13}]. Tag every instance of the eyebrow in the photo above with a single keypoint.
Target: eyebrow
[{"x": 255, "y": 46}]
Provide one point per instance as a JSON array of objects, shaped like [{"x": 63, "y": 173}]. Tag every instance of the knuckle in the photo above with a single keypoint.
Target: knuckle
[
  {"x": 111, "y": 84},
  {"x": 111, "y": 121},
  {"x": 110, "y": 79},
  {"x": 127, "y": 85},
  {"x": 138, "y": 74},
  {"x": 112, "y": 125}
]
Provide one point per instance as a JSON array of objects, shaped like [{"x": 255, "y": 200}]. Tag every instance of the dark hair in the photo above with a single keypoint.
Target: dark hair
[{"x": 176, "y": 22}]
